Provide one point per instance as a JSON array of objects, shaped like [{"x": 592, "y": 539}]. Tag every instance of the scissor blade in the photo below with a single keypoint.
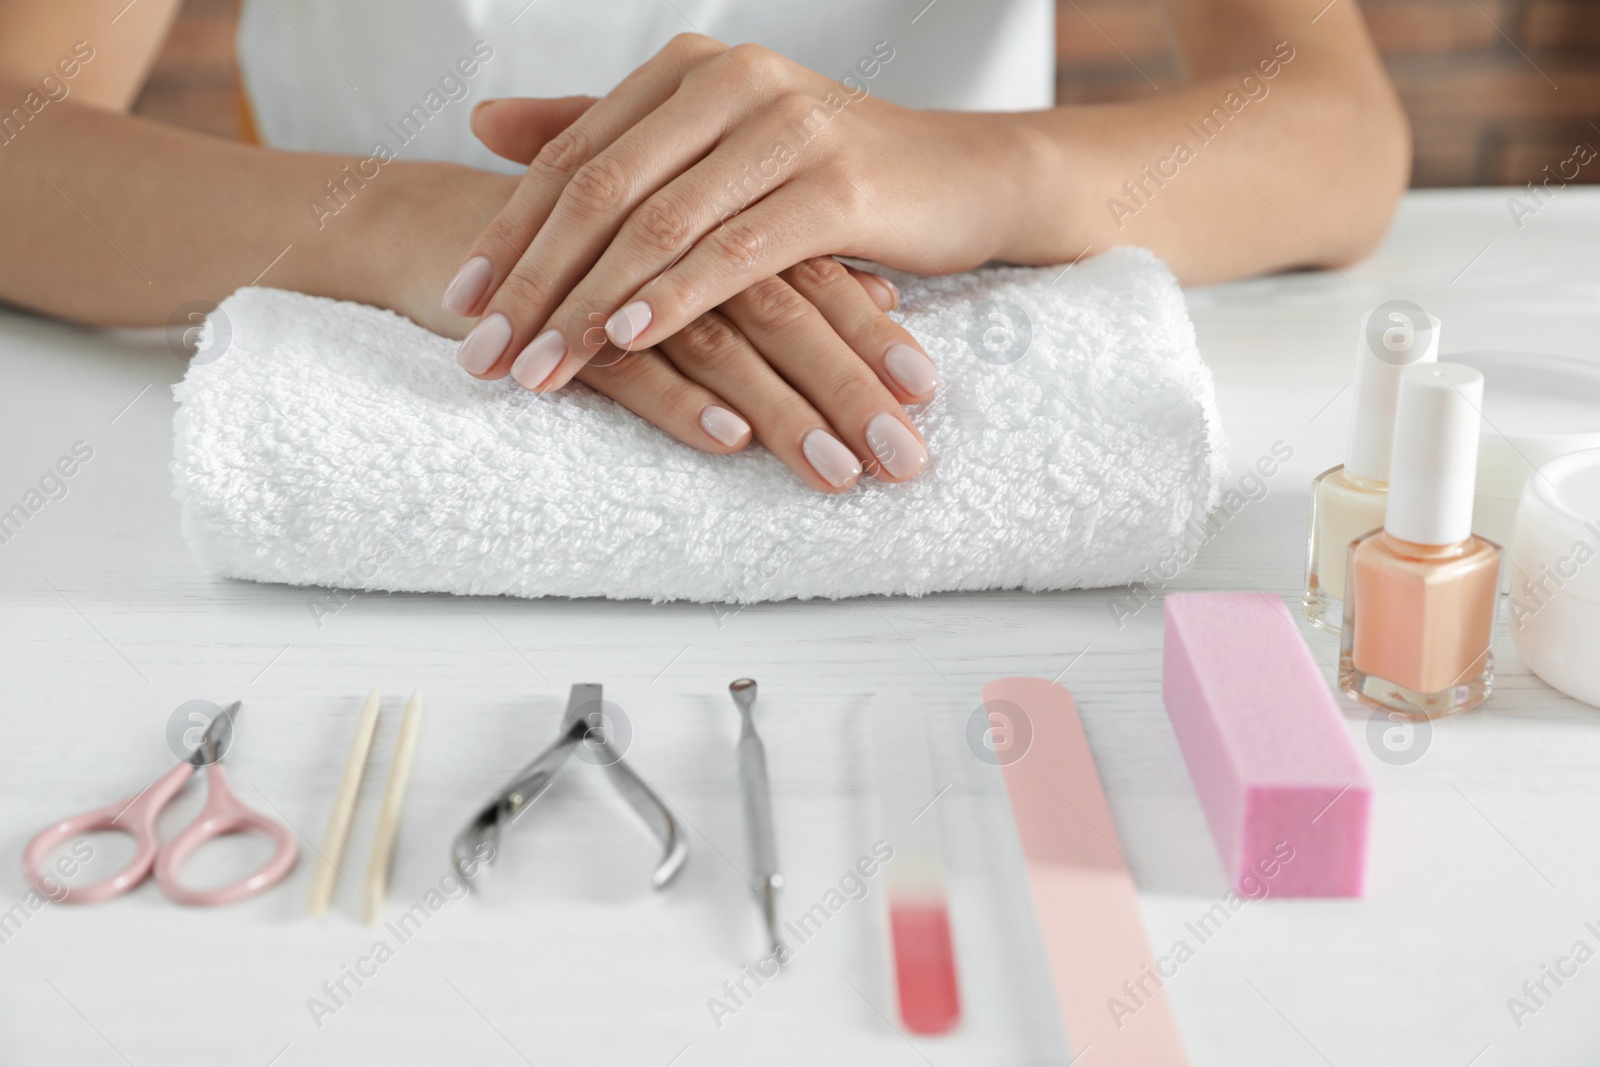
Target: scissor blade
[
  {"x": 474, "y": 848},
  {"x": 218, "y": 737}
]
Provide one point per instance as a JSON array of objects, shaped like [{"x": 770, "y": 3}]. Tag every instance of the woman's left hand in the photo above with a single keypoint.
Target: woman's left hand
[{"x": 710, "y": 169}]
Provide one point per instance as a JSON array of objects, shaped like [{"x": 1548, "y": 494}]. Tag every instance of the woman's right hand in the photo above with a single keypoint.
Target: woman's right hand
[{"x": 807, "y": 363}]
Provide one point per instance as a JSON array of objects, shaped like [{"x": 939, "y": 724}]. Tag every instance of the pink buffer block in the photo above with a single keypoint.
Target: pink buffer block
[{"x": 1282, "y": 784}]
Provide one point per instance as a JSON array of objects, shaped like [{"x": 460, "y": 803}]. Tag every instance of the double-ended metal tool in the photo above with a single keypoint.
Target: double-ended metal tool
[
  {"x": 584, "y": 723},
  {"x": 759, "y": 828}
]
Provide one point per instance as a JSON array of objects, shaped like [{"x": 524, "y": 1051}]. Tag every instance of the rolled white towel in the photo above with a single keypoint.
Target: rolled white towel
[{"x": 333, "y": 444}]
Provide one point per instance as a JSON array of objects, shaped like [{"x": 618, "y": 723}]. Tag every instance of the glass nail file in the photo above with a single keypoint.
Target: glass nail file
[{"x": 914, "y": 882}]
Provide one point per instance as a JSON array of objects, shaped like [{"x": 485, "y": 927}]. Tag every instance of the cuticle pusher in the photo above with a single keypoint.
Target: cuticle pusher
[{"x": 759, "y": 828}]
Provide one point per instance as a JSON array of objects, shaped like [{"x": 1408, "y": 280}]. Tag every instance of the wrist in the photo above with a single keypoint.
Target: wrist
[
  {"x": 408, "y": 239},
  {"x": 1045, "y": 182}
]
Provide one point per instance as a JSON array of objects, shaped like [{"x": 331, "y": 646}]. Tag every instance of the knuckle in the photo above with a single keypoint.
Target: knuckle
[
  {"x": 775, "y": 304},
  {"x": 802, "y": 111},
  {"x": 850, "y": 173},
  {"x": 691, "y": 47},
  {"x": 711, "y": 341},
  {"x": 630, "y": 371},
  {"x": 600, "y": 185},
  {"x": 676, "y": 292},
  {"x": 821, "y": 272},
  {"x": 564, "y": 153},
  {"x": 738, "y": 244},
  {"x": 523, "y": 288},
  {"x": 662, "y": 223},
  {"x": 839, "y": 198},
  {"x": 761, "y": 65},
  {"x": 845, "y": 388}
]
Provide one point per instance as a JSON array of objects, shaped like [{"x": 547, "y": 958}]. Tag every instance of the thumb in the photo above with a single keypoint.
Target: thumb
[{"x": 516, "y": 127}]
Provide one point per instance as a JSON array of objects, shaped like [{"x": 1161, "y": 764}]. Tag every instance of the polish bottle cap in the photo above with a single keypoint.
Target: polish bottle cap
[
  {"x": 1434, "y": 473},
  {"x": 1394, "y": 336}
]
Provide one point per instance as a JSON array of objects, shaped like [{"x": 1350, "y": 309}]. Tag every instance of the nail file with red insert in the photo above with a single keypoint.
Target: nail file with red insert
[{"x": 914, "y": 882}]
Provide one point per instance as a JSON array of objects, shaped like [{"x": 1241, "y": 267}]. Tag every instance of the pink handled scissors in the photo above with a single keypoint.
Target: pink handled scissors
[{"x": 223, "y": 814}]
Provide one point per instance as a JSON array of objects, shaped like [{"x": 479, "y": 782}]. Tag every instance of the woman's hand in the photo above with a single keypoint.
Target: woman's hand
[
  {"x": 779, "y": 361},
  {"x": 707, "y": 171},
  {"x": 806, "y": 362}
]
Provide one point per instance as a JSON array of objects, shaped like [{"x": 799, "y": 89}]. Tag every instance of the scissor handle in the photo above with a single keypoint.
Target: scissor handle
[
  {"x": 224, "y": 814},
  {"x": 135, "y": 817}
]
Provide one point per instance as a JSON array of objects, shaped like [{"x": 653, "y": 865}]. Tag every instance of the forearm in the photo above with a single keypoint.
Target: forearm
[
  {"x": 114, "y": 220},
  {"x": 115, "y": 41},
  {"x": 1288, "y": 150}
]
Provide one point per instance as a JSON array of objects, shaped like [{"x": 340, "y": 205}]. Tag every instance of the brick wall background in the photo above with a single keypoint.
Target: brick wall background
[{"x": 1496, "y": 89}]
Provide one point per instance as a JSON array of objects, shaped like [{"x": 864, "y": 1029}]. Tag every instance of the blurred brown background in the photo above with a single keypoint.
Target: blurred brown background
[{"x": 1496, "y": 89}]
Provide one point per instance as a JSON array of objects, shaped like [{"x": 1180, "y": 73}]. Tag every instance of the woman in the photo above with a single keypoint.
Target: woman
[{"x": 671, "y": 243}]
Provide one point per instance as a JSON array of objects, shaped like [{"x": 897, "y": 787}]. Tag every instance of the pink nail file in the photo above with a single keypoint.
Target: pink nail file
[
  {"x": 1267, "y": 747},
  {"x": 1085, "y": 900}
]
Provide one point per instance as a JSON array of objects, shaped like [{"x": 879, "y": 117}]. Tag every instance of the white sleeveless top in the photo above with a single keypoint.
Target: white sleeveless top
[{"x": 347, "y": 75}]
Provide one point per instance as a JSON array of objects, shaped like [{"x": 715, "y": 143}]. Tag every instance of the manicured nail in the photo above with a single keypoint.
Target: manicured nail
[
  {"x": 628, "y": 323},
  {"x": 914, "y": 371},
  {"x": 484, "y": 344},
  {"x": 723, "y": 425},
  {"x": 896, "y": 447},
  {"x": 828, "y": 457},
  {"x": 542, "y": 356},
  {"x": 467, "y": 287},
  {"x": 882, "y": 290}
]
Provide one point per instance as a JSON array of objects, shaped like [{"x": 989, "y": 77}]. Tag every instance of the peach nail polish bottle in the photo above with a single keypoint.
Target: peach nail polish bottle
[
  {"x": 1421, "y": 593},
  {"x": 1348, "y": 501}
]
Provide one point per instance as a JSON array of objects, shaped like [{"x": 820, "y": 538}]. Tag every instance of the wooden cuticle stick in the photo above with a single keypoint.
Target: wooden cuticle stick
[
  {"x": 394, "y": 795},
  {"x": 337, "y": 835}
]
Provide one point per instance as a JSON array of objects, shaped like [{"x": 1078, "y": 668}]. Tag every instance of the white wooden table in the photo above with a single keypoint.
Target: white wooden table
[{"x": 1484, "y": 866}]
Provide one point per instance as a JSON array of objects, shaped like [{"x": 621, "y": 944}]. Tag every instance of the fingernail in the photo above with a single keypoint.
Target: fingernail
[
  {"x": 885, "y": 294},
  {"x": 628, "y": 323},
  {"x": 914, "y": 371},
  {"x": 542, "y": 356},
  {"x": 896, "y": 447},
  {"x": 484, "y": 344},
  {"x": 466, "y": 288},
  {"x": 828, "y": 457},
  {"x": 480, "y": 105},
  {"x": 723, "y": 425}
]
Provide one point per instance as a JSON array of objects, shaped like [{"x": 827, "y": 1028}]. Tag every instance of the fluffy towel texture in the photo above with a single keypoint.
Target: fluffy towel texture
[{"x": 334, "y": 444}]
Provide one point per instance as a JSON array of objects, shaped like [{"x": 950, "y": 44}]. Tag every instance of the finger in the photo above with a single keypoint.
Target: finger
[
  {"x": 609, "y": 251},
  {"x": 801, "y": 346},
  {"x": 886, "y": 346},
  {"x": 794, "y": 222},
  {"x": 587, "y": 257},
  {"x": 714, "y": 353},
  {"x": 543, "y": 299},
  {"x": 516, "y": 127},
  {"x": 884, "y": 293},
  {"x": 501, "y": 245},
  {"x": 649, "y": 386}
]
